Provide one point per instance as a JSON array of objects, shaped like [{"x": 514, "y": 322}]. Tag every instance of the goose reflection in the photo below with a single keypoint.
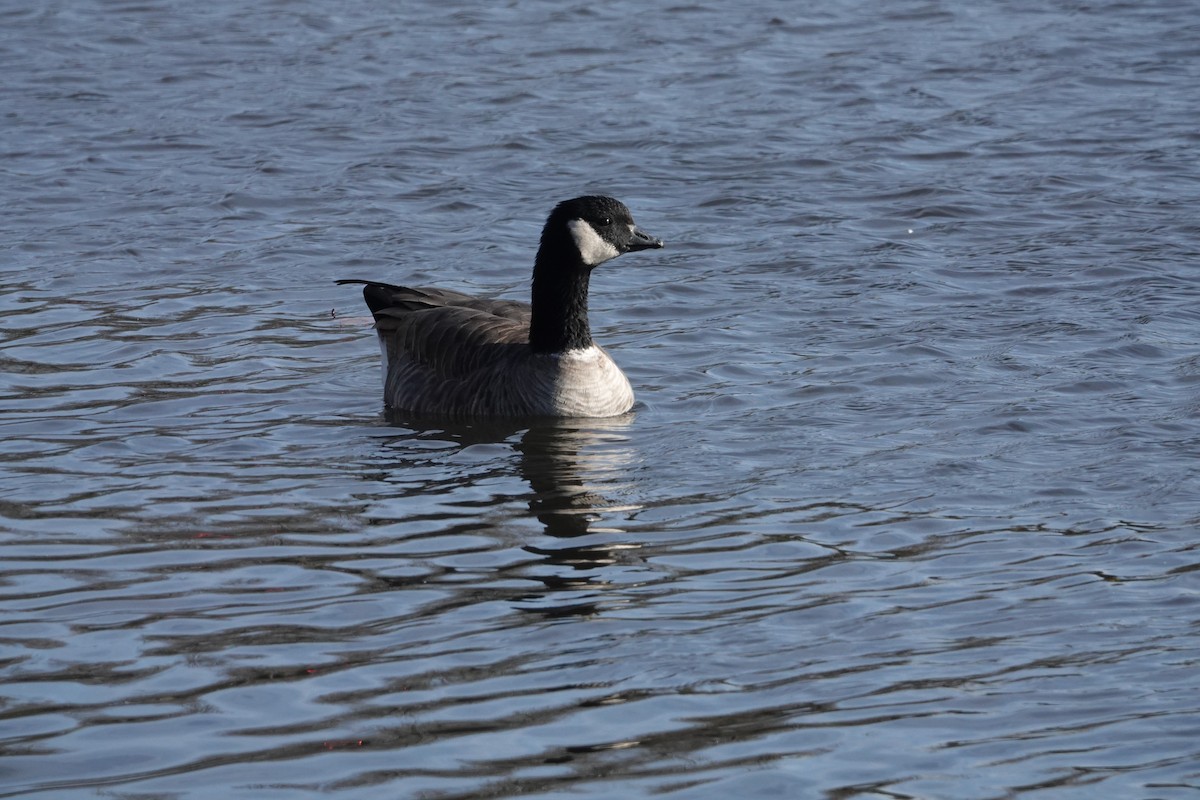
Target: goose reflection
[
  {"x": 576, "y": 471},
  {"x": 565, "y": 466}
]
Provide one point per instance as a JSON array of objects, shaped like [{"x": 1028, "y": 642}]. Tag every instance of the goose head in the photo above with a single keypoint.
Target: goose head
[
  {"x": 594, "y": 229},
  {"x": 580, "y": 234}
]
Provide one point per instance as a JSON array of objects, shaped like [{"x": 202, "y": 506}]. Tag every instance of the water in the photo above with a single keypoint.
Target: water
[{"x": 908, "y": 506}]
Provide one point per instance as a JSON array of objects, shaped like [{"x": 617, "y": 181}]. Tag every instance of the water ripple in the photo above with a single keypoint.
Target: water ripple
[{"x": 906, "y": 505}]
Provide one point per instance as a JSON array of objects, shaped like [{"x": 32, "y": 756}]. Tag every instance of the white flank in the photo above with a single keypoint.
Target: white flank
[{"x": 593, "y": 248}]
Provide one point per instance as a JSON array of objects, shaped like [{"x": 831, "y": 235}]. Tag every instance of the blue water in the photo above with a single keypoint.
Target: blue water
[{"x": 909, "y": 504}]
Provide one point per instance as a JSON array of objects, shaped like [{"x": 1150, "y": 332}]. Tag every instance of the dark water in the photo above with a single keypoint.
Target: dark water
[{"x": 909, "y": 505}]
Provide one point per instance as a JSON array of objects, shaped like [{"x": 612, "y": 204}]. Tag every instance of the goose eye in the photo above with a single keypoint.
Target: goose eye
[{"x": 604, "y": 221}]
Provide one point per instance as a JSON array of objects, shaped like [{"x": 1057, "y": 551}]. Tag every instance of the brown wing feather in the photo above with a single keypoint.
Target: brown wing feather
[
  {"x": 451, "y": 333},
  {"x": 452, "y": 341}
]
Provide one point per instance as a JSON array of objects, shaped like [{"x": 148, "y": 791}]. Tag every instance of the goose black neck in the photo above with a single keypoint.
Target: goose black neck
[{"x": 559, "y": 320}]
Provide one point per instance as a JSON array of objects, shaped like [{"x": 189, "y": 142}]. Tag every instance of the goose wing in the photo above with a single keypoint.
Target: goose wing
[{"x": 449, "y": 333}]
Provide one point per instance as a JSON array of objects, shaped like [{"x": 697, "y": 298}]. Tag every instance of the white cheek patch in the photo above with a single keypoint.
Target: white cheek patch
[{"x": 593, "y": 248}]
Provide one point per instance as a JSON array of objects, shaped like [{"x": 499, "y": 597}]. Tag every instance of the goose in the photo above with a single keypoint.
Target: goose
[{"x": 454, "y": 355}]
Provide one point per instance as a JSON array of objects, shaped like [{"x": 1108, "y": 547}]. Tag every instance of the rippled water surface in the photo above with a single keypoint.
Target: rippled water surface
[{"x": 908, "y": 507}]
